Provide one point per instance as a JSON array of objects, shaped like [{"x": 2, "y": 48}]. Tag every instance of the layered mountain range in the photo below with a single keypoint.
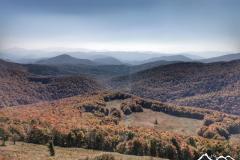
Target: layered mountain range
[{"x": 206, "y": 85}]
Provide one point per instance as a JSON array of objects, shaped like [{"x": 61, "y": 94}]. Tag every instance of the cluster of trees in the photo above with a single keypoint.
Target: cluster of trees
[
  {"x": 219, "y": 126},
  {"x": 116, "y": 96},
  {"x": 3, "y": 136},
  {"x": 214, "y": 86},
  {"x": 93, "y": 108},
  {"x": 18, "y": 86},
  {"x": 102, "y": 133},
  {"x": 130, "y": 107},
  {"x": 171, "y": 109},
  {"x": 103, "y": 157},
  {"x": 128, "y": 142},
  {"x": 125, "y": 142}
]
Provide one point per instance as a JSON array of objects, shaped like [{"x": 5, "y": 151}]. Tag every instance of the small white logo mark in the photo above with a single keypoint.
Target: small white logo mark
[{"x": 206, "y": 157}]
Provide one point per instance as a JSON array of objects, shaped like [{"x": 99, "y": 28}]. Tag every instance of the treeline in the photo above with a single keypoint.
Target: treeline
[
  {"x": 136, "y": 104},
  {"x": 217, "y": 125},
  {"x": 100, "y": 130},
  {"x": 128, "y": 142},
  {"x": 220, "y": 126}
]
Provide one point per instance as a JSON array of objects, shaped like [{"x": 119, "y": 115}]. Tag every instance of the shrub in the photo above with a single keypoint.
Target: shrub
[
  {"x": 114, "y": 96},
  {"x": 191, "y": 141},
  {"x": 37, "y": 135},
  {"x": 71, "y": 139},
  {"x": 15, "y": 135},
  {"x": 208, "y": 122},
  {"x": 79, "y": 137},
  {"x": 126, "y": 110},
  {"x": 187, "y": 154},
  {"x": 51, "y": 148},
  {"x": 3, "y": 136},
  {"x": 104, "y": 157},
  {"x": 95, "y": 140},
  {"x": 121, "y": 148},
  {"x": 168, "y": 151},
  {"x": 153, "y": 147},
  {"x": 59, "y": 139},
  {"x": 137, "y": 148},
  {"x": 128, "y": 135},
  {"x": 129, "y": 107},
  {"x": 115, "y": 112}
]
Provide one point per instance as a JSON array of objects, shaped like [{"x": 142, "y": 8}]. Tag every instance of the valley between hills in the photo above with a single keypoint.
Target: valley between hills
[{"x": 163, "y": 109}]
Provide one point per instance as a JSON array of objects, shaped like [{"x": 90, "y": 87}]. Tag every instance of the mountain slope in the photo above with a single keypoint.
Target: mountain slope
[
  {"x": 94, "y": 122},
  {"x": 149, "y": 65},
  {"x": 180, "y": 58},
  {"x": 224, "y": 58},
  {"x": 98, "y": 71},
  {"x": 181, "y": 80},
  {"x": 226, "y": 100},
  {"x": 65, "y": 59},
  {"x": 18, "y": 86},
  {"x": 107, "y": 60}
]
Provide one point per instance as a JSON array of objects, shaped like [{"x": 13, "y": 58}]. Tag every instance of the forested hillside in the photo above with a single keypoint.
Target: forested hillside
[
  {"x": 213, "y": 86},
  {"x": 18, "y": 86}
]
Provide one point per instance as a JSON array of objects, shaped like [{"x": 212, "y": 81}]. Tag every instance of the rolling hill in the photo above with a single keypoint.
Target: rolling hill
[
  {"x": 179, "y": 58},
  {"x": 116, "y": 122},
  {"x": 107, "y": 60},
  {"x": 149, "y": 65},
  {"x": 97, "y": 71},
  {"x": 65, "y": 59},
  {"x": 18, "y": 86},
  {"x": 213, "y": 85},
  {"x": 78, "y": 112},
  {"x": 224, "y": 58}
]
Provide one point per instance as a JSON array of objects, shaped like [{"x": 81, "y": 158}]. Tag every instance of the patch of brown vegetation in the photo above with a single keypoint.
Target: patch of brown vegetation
[
  {"x": 18, "y": 87},
  {"x": 212, "y": 86},
  {"x": 28, "y": 151},
  {"x": 69, "y": 124}
]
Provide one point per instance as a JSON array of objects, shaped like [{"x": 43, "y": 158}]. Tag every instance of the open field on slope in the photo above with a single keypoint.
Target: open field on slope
[
  {"x": 91, "y": 122},
  {"x": 166, "y": 122},
  {"x": 212, "y": 86},
  {"x": 27, "y": 151},
  {"x": 115, "y": 103},
  {"x": 235, "y": 139}
]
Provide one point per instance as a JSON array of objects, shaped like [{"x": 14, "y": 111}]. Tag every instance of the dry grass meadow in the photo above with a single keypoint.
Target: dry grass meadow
[{"x": 28, "y": 151}]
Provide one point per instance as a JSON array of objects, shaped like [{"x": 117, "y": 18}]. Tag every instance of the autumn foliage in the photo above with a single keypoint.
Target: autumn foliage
[{"x": 86, "y": 122}]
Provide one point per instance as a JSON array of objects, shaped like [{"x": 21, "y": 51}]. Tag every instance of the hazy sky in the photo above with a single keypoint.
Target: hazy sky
[{"x": 130, "y": 25}]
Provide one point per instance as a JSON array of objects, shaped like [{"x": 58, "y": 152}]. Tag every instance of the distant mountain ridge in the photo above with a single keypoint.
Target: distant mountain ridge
[
  {"x": 65, "y": 59},
  {"x": 107, "y": 60},
  {"x": 180, "y": 58},
  {"x": 21, "y": 55},
  {"x": 224, "y": 58},
  {"x": 97, "y": 71}
]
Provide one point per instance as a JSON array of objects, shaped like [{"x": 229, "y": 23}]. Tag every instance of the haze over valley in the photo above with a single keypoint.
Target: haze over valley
[{"x": 119, "y": 80}]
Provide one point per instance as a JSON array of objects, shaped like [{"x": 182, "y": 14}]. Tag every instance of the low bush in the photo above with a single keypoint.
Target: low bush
[{"x": 104, "y": 157}]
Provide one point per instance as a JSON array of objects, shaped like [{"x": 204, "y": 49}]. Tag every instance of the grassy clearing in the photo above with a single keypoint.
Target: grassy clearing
[
  {"x": 166, "y": 122},
  {"x": 116, "y": 103},
  {"x": 235, "y": 139},
  {"x": 27, "y": 151}
]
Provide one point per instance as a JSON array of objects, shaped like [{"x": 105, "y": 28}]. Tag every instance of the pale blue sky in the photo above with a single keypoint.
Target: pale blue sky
[{"x": 130, "y": 25}]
